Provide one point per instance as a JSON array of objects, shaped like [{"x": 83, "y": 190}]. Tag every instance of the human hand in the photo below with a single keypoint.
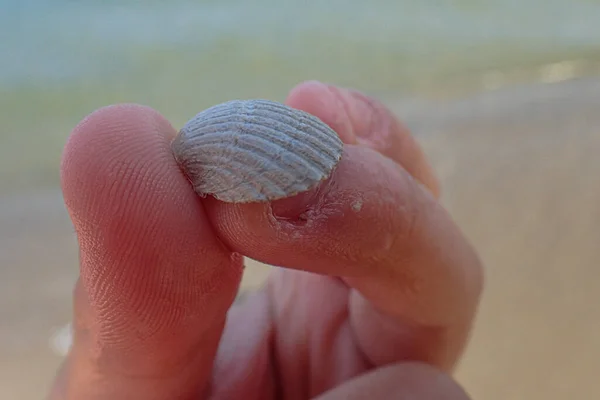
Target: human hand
[{"x": 375, "y": 301}]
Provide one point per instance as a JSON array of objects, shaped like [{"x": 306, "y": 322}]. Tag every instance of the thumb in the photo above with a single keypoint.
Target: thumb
[{"x": 155, "y": 284}]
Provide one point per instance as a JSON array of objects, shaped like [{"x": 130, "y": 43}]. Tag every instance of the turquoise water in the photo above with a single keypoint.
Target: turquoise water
[{"x": 63, "y": 59}]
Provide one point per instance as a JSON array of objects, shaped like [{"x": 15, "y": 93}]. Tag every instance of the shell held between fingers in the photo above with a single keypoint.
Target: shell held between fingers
[{"x": 246, "y": 151}]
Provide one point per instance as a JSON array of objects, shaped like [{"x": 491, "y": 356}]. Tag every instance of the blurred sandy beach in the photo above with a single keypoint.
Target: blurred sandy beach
[
  {"x": 503, "y": 95},
  {"x": 520, "y": 171}
]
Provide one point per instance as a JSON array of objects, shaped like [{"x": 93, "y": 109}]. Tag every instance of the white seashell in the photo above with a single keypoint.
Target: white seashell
[{"x": 245, "y": 151}]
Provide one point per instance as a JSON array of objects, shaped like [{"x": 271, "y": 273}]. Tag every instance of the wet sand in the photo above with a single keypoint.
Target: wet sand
[{"x": 521, "y": 175}]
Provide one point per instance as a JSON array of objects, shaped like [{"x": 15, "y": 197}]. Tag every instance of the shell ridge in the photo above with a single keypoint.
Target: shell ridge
[
  {"x": 317, "y": 133},
  {"x": 216, "y": 136},
  {"x": 205, "y": 185},
  {"x": 233, "y": 193},
  {"x": 218, "y": 110},
  {"x": 272, "y": 147},
  {"x": 307, "y": 118},
  {"x": 304, "y": 155},
  {"x": 249, "y": 185},
  {"x": 256, "y": 150},
  {"x": 313, "y": 135},
  {"x": 305, "y": 148},
  {"x": 294, "y": 176},
  {"x": 266, "y": 153},
  {"x": 291, "y": 115},
  {"x": 233, "y": 167}
]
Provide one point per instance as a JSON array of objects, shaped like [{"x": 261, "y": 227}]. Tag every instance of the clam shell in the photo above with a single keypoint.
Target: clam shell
[{"x": 245, "y": 151}]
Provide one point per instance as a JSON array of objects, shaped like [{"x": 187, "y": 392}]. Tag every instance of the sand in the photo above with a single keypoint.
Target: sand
[{"x": 521, "y": 175}]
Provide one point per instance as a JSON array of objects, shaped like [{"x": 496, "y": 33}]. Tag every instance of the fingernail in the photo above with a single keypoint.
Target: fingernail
[
  {"x": 296, "y": 209},
  {"x": 361, "y": 113},
  {"x": 303, "y": 207},
  {"x": 325, "y": 102}
]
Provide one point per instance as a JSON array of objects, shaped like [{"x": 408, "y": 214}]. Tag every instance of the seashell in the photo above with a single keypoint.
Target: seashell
[{"x": 245, "y": 151}]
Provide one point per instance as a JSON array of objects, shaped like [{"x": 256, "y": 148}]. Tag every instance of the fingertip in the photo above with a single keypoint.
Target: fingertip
[
  {"x": 321, "y": 100},
  {"x": 361, "y": 119},
  {"x": 130, "y": 203},
  {"x": 106, "y": 138}
]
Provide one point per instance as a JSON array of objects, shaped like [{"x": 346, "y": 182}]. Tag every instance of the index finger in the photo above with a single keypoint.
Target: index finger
[{"x": 375, "y": 226}]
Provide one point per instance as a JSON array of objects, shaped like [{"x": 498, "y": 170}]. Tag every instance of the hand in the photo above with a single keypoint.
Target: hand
[{"x": 375, "y": 301}]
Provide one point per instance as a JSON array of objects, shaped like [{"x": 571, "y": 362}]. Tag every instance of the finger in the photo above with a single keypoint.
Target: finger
[
  {"x": 155, "y": 284},
  {"x": 371, "y": 223},
  {"x": 399, "y": 382},
  {"x": 360, "y": 119}
]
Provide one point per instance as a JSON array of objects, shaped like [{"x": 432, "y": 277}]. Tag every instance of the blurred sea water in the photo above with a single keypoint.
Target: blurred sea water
[{"x": 62, "y": 59}]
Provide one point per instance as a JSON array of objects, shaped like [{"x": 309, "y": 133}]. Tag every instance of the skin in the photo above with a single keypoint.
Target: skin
[{"x": 375, "y": 296}]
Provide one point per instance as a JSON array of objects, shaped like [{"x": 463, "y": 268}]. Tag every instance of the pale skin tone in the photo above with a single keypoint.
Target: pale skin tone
[{"x": 374, "y": 297}]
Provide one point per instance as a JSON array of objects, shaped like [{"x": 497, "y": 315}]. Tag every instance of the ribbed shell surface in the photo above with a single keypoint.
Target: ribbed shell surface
[{"x": 247, "y": 151}]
